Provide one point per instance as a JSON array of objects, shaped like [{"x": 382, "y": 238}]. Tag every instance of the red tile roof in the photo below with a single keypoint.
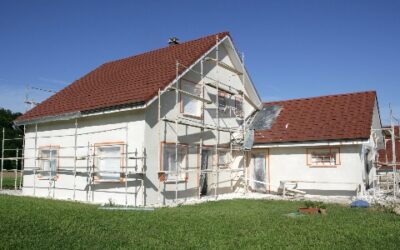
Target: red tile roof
[
  {"x": 127, "y": 81},
  {"x": 334, "y": 117}
]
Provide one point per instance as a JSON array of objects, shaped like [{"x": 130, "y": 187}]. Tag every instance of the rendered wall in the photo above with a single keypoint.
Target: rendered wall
[
  {"x": 118, "y": 127},
  {"x": 290, "y": 164}
]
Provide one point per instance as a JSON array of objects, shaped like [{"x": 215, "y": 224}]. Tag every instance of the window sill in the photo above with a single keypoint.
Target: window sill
[
  {"x": 323, "y": 166},
  {"x": 46, "y": 178},
  {"x": 108, "y": 181},
  {"x": 192, "y": 116},
  {"x": 174, "y": 181}
]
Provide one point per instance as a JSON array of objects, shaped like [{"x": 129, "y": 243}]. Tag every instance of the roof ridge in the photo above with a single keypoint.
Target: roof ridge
[
  {"x": 323, "y": 96},
  {"x": 223, "y": 34}
]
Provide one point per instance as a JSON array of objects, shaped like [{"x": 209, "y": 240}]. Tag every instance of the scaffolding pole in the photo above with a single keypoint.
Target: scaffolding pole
[
  {"x": 393, "y": 137},
  {"x": 75, "y": 156},
  {"x": 159, "y": 146},
  {"x": 2, "y": 159},
  {"x": 217, "y": 117},
  {"x": 176, "y": 130}
]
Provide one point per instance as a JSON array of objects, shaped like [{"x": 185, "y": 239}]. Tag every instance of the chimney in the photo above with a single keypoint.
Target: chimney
[{"x": 173, "y": 41}]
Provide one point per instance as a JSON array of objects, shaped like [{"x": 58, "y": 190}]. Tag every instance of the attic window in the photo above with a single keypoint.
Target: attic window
[
  {"x": 189, "y": 105},
  {"x": 323, "y": 157}
]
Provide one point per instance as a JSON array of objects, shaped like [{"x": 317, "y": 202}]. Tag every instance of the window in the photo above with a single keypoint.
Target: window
[
  {"x": 239, "y": 106},
  {"x": 323, "y": 157},
  {"x": 190, "y": 105},
  {"x": 223, "y": 158},
  {"x": 48, "y": 162},
  {"x": 172, "y": 163},
  {"x": 108, "y": 163},
  {"x": 222, "y": 100}
]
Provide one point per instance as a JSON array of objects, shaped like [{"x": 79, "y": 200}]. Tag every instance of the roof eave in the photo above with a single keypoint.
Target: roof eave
[
  {"x": 337, "y": 142},
  {"x": 85, "y": 113}
]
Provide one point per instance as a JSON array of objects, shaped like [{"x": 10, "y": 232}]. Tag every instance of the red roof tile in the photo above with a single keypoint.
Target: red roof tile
[
  {"x": 127, "y": 81},
  {"x": 335, "y": 117}
]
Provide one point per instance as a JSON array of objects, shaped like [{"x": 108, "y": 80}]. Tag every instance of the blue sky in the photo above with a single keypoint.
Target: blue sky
[{"x": 292, "y": 49}]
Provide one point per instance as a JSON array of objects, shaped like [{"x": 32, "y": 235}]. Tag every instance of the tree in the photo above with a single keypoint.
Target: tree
[{"x": 7, "y": 118}]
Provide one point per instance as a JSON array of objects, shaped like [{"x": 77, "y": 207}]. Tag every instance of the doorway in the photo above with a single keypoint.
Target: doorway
[
  {"x": 259, "y": 171},
  {"x": 206, "y": 163}
]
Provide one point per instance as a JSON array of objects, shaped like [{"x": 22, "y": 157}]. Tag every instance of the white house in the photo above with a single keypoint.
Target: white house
[
  {"x": 320, "y": 145},
  {"x": 154, "y": 128},
  {"x": 178, "y": 123}
]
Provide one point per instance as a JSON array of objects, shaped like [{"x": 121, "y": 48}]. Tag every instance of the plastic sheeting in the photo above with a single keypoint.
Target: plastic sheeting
[
  {"x": 265, "y": 118},
  {"x": 248, "y": 140}
]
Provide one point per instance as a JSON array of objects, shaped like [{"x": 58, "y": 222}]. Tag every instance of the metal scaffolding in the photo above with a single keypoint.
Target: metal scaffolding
[
  {"x": 135, "y": 171},
  {"x": 206, "y": 84}
]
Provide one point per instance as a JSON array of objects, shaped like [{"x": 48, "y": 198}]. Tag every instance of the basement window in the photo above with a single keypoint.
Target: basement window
[
  {"x": 108, "y": 167},
  {"x": 48, "y": 162},
  {"x": 323, "y": 157},
  {"x": 172, "y": 163},
  {"x": 189, "y": 105}
]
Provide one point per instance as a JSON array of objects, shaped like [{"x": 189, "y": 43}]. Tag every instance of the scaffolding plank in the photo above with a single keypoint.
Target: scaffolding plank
[{"x": 191, "y": 95}]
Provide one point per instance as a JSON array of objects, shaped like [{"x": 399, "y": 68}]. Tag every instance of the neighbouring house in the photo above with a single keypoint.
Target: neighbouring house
[
  {"x": 155, "y": 128},
  {"x": 320, "y": 145},
  {"x": 186, "y": 121}
]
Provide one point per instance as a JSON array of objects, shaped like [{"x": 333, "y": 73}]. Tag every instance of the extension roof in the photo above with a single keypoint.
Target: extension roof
[
  {"x": 325, "y": 118},
  {"x": 126, "y": 82}
]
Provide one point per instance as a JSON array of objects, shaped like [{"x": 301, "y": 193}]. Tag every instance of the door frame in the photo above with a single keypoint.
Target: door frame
[
  {"x": 266, "y": 152},
  {"x": 211, "y": 154}
]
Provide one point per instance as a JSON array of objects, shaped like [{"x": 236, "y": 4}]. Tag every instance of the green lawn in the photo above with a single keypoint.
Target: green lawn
[{"x": 239, "y": 224}]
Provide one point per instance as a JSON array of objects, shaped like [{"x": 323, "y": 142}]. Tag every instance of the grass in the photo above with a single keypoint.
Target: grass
[{"x": 238, "y": 224}]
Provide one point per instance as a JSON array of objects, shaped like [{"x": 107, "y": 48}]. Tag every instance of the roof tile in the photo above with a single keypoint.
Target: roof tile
[
  {"x": 334, "y": 117},
  {"x": 125, "y": 81}
]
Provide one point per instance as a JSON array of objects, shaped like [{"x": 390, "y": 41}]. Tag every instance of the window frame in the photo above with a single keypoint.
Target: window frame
[
  {"x": 49, "y": 147},
  {"x": 182, "y": 96},
  {"x": 224, "y": 95},
  {"x": 309, "y": 152},
  {"x": 163, "y": 177},
  {"x": 227, "y": 157},
  {"x": 120, "y": 144}
]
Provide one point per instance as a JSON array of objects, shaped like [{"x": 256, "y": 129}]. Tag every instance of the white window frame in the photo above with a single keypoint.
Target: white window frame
[
  {"x": 224, "y": 157},
  {"x": 101, "y": 175},
  {"x": 323, "y": 157},
  {"x": 186, "y": 99},
  {"x": 46, "y": 173},
  {"x": 167, "y": 165}
]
